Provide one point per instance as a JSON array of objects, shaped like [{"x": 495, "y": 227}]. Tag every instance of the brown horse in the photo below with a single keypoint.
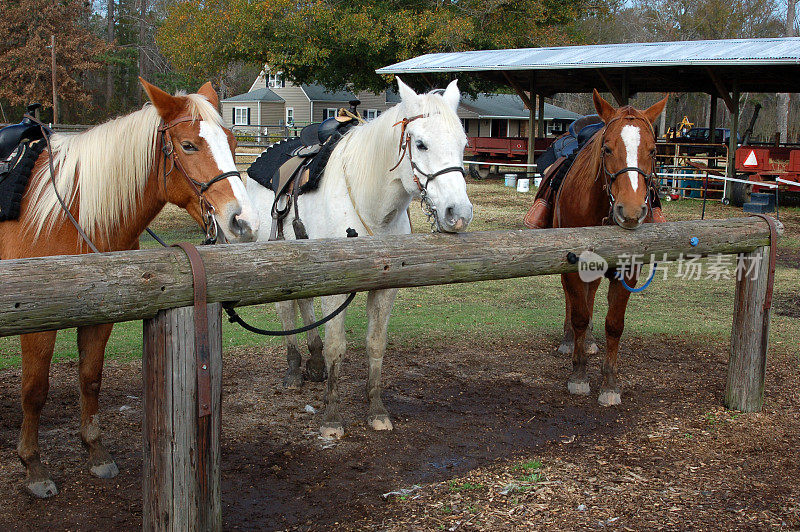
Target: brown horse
[
  {"x": 115, "y": 178},
  {"x": 608, "y": 183}
]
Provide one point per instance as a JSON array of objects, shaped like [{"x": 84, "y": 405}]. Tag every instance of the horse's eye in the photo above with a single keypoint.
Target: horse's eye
[
  {"x": 653, "y": 152},
  {"x": 421, "y": 146},
  {"x": 188, "y": 146},
  {"x": 606, "y": 150}
]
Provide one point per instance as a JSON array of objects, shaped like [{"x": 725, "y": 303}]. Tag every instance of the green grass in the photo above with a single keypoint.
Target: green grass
[
  {"x": 492, "y": 313},
  {"x": 456, "y": 487}
]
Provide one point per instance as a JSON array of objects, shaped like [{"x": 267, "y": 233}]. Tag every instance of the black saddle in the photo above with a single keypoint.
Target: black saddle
[
  {"x": 569, "y": 144},
  {"x": 16, "y": 134}
]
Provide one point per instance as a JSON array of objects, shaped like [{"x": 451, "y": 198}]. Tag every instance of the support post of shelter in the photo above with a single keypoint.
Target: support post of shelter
[
  {"x": 531, "y": 127},
  {"x": 181, "y": 469},
  {"x": 744, "y": 390},
  {"x": 733, "y": 141},
  {"x": 712, "y": 120},
  {"x": 540, "y": 130}
]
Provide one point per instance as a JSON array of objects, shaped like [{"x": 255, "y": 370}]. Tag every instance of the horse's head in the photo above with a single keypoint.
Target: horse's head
[
  {"x": 628, "y": 158},
  {"x": 434, "y": 139},
  {"x": 198, "y": 172}
]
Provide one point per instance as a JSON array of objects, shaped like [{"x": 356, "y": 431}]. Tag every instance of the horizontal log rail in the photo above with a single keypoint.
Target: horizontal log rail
[{"x": 66, "y": 291}]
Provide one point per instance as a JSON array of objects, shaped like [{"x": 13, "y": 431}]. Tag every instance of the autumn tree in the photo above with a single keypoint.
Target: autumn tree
[
  {"x": 342, "y": 42},
  {"x": 27, "y": 27}
]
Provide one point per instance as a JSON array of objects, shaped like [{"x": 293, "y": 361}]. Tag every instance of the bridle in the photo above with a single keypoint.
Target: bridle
[
  {"x": 428, "y": 207},
  {"x": 610, "y": 177},
  {"x": 199, "y": 188}
]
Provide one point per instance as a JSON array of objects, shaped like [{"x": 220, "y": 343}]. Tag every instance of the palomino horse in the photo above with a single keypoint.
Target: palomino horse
[
  {"x": 608, "y": 183},
  {"x": 366, "y": 188},
  {"x": 115, "y": 178}
]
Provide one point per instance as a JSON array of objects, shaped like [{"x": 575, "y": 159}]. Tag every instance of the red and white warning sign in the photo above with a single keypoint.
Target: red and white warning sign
[{"x": 751, "y": 159}]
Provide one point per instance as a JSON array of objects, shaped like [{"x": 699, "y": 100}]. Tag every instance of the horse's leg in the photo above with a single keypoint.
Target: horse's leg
[
  {"x": 591, "y": 291},
  {"x": 615, "y": 323},
  {"x": 574, "y": 289},
  {"x": 315, "y": 366},
  {"x": 287, "y": 313},
  {"x": 379, "y": 307},
  {"x": 333, "y": 351},
  {"x": 92, "y": 348},
  {"x": 567, "y": 343},
  {"x": 37, "y": 351}
]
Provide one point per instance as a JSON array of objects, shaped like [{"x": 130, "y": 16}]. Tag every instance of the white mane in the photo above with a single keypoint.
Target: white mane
[
  {"x": 105, "y": 169},
  {"x": 368, "y": 151}
]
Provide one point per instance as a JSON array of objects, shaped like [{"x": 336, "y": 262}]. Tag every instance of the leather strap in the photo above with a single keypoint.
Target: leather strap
[
  {"x": 773, "y": 254},
  {"x": 201, "y": 343}
]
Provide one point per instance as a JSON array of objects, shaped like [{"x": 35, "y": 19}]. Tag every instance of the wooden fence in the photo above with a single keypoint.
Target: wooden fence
[{"x": 181, "y": 488}]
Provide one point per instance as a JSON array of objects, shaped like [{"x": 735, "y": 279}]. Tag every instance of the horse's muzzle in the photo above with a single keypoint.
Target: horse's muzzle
[
  {"x": 240, "y": 229},
  {"x": 456, "y": 218},
  {"x": 628, "y": 220}
]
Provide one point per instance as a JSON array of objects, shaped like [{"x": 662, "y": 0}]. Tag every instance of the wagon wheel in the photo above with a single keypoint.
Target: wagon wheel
[
  {"x": 740, "y": 192},
  {"x": 479, "y": 171}
]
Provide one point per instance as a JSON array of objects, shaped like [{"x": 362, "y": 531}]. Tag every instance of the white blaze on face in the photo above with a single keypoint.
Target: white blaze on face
[
  {"x": 221, "y": 151},
  {"x": 630, "y": 136}
]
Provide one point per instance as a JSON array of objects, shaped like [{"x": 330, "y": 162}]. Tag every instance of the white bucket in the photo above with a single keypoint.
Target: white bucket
[
  {"x": 523, "y": 185},
  {"x": 537, "y": 182},
  {"x": 511, "y": 180}
]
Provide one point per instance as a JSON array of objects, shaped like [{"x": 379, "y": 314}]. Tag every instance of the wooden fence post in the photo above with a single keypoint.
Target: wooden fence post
[
  {"x": 175, "y": 498},
  {"x": 750, "y": 335}
]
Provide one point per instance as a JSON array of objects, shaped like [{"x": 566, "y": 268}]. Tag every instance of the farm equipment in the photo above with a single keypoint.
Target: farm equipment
[
  {"x": 496, "y": 152},
  {"x": 767, "y": 164}
]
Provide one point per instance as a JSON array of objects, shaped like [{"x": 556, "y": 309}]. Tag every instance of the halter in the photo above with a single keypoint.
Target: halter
[
  {"x": 207, "y": 210},
  {"x": 428, "y": 207},
  {"x": 611, "y": 177}
]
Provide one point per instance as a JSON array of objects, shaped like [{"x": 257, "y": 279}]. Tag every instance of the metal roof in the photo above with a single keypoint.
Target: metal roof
[
  {"x": 258, "y": 95},
  {"x": 761, "y": 65},
  {"x": 510, "y": 106}
]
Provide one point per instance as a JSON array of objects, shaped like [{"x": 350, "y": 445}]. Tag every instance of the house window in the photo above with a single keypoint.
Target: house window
[
  {"x": 290, "y": 115},
  {"x": 241, "y": 116},
  {"x": 330, "y": 112},
  {"x": 465, "y": 124},
  {"x": 371, "y": 114},
  {"x": 276, "y": 81}
]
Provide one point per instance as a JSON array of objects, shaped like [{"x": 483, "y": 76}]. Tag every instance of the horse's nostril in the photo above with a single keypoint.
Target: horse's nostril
[
  {"x": 644, "y": 212},
  {"x": 450, "y": 214}
]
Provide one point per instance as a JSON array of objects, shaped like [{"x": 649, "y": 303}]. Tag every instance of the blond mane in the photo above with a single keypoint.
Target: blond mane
[{"x": 104, "y": 170}]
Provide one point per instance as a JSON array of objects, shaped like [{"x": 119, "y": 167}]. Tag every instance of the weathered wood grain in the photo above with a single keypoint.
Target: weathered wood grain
[
  {"x": 744, "y": 390},
  {"x": 173, "y": 500},
  {"x": 58, "y": 292}
]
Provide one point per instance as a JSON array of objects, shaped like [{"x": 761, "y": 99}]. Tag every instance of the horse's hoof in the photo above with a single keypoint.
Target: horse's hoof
[
  {"x": 592, "y": 349},
  {"x": 578, "y": 387},
  {"x": 41, "y": 489},
  {"x": 293, "y": 380},
  {"x": 565, "y": 348},
  {"x": 380, "y": 422},
  {"x": 105, "y": 470},
  {"x": 332, "y": 431},
  {"x": 316, "y": 370},
  {"x": 609, "y": 398}
]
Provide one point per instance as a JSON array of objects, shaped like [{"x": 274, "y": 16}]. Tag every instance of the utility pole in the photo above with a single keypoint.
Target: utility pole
[{"x": 53, "y": 69}]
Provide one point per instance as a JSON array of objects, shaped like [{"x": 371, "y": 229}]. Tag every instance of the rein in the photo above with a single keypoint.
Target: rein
[
  {"x": 428, "y": 208},
  {"x": 207, "y": 210},
  {"x": 610, "y": 177}
]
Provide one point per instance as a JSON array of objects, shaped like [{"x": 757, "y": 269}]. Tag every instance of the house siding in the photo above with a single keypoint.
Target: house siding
[{"x": 296, "y": 98}]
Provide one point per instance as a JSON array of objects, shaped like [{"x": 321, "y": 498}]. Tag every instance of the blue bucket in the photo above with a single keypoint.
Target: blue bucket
[{"x": 511, "y": 180}]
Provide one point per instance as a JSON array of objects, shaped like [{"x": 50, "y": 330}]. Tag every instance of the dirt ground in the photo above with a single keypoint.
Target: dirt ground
[{"x": 472, "y": 425}]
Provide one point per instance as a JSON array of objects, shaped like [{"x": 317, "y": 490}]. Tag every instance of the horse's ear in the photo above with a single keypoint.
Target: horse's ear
[
  {"x": 208, "y": 91},
  {"x": 452, "y": 95},
  {"x": 604, "y": 109},
  {"x": 406, "y": 92},
  {"x": 652, "y": 112},
  {"x": 166, "y": 104}
]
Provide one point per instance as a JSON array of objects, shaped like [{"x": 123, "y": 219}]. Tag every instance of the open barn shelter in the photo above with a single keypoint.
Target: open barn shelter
[{"x": 721, "y": 68}]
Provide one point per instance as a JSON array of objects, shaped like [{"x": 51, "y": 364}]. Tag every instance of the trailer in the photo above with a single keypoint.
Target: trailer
[
  {"x": 779, "y": 165},
  {"x": 488, "y": 154}
]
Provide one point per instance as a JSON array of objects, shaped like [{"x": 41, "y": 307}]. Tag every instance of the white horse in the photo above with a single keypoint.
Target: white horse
[{"x": 364, "y": 188}]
